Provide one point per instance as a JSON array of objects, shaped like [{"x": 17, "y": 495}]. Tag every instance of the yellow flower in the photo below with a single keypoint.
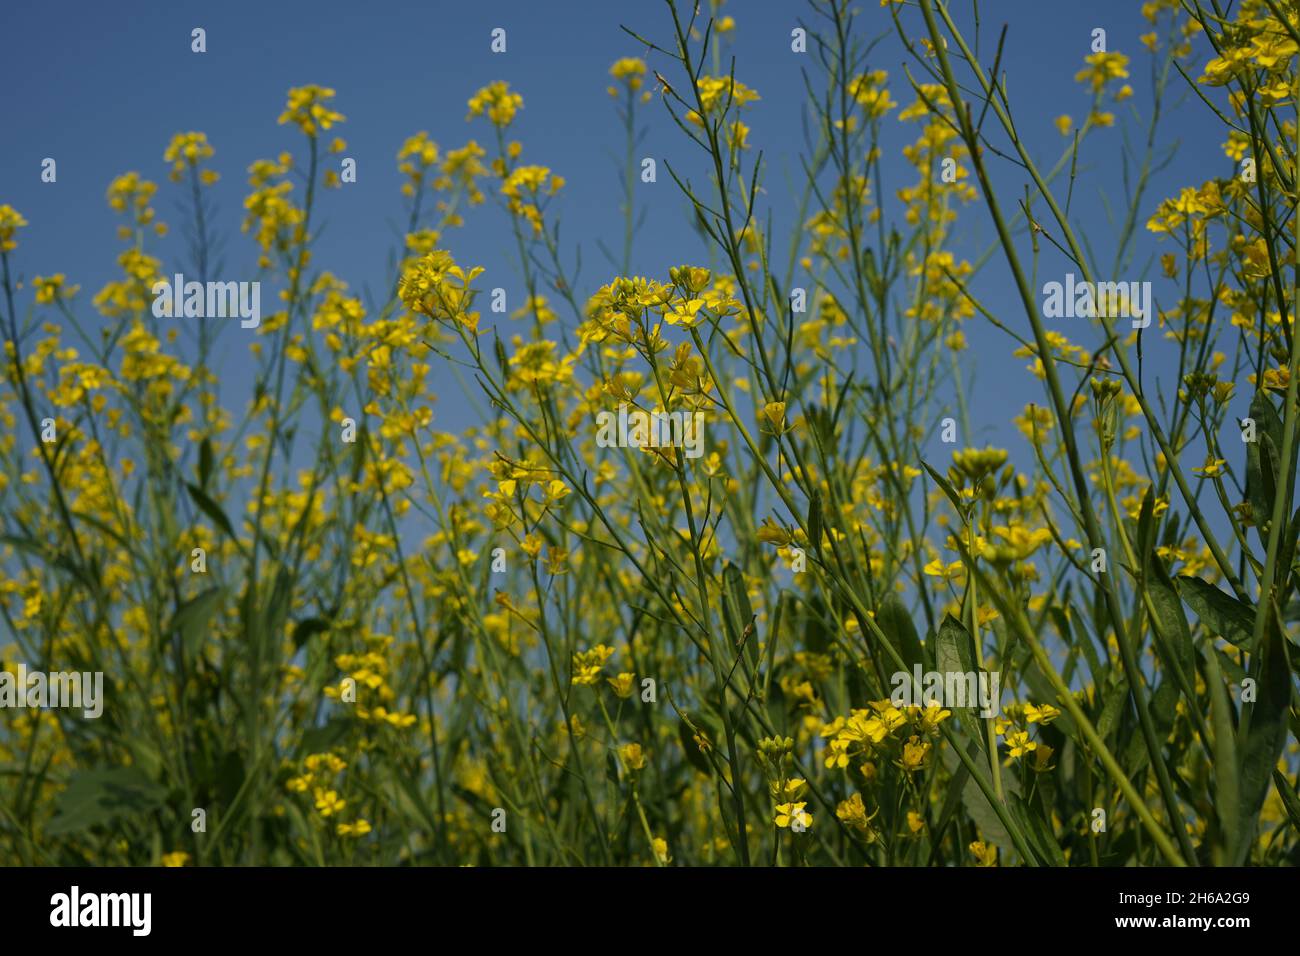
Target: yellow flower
[
  {"x": 683, "y": 312},
  {"x": 774, "y": 414},
  {"x": 793, "y": 814},
  {"x": 929, "y": 719},
  {"x": 1019, "y": 744},
  {"x": 10, "y": 222},
  {"x": 532, "y": 545},
  {"x": 178, "y": 858},
  {"x": 631, "y": 70},
  {"x": 497, "y": 102},
  {"x": 555, "y": 490},
  {"x": 720, "y": 93},
  {"x": 853, "y": 813},
  {"x": 914, "y": 753},
  {"x": 1102, "y": 68},
  {"x": 788, "y": 791},
  {"x": 632, "y": 756},
  {"x": 1043, "y": 714},
  {"x": 660, "y": 847},
  {"x": 186, "y": 151},
  {"x": 936, "y": 568},
  {"x": 986, "y": 854},
  {"x": 328, "y": 802},
  {"x": 51, "y": 289},
  {"x": 1212, "y": 468},
  {"x": 769, "y": 532},
  {"x": 587, "y": 664},
  {"x": 837, "y": 754},
  {"x": 306, "y": 107},
  {"x": 358, "y": 829},
  {"x": 622, "y": 684},
  {"x": 1042, "y": 759}
]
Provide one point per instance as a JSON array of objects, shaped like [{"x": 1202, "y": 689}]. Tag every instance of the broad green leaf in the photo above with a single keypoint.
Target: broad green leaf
[
  {"x": 1038, "y": 831},
  {"x": 896, "y": 622},
  {"x": 691, "y": 749},
  {"x": 1290, "y": 799},
  {"x": 210, "y": 508},
  {"x": 815, "y": 522},
  {"x": 97, "y": 797},
  {"x": 194, "y": 618},
  {"x": 1265, "y": 737},
  {"x": 205, "y": 462},
  {"x": 1227, "y": 789},
  {"x": 1171, "y": 624},
  {"x": 946, "y": 486},
  {"x": 1221, "y": 613},
  {"x": 955, "y": 652},
  {"x": 308, "y": 628},
  {"x": 738, "y": 615},
  {"x": 1112, "y": 707},
  {"x": 1262, "y": 460}
]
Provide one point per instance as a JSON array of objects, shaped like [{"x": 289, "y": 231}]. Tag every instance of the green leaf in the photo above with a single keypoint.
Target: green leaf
[
  {"x": 1289, "y": 798},
  {"x": 737, "y": 615},
  {"x": 691, "y": 749},
  {"x": 308, "y": 628},
  {"x": 205, "y": 462},
  {"x": 1222, "y": 614},
  {"x": 317, "y": 740},
  {"x": 97, "y": 797},
  {"x": 611, "y": 767},
  {"x": 1039, "y": 832},
  {"x": 946, "y": 486},
  {"x": 1266, "y": 735},
  {"x": 816, "y": 631},
  {"x": 896, "y": 622},
  {"x": 1146, "y": 535},
  {"x": 1262, "y": 460},
  {"x": 230, "y": 774},
  {"x": 193, "y": 618},
  {"x": 1171, "y": 624},
  {"x": 361, "y": 444},
  {"x": 815, "y": 522},
  {"x": 1286, "y": 554},
  {"x": 955, "y": 652},
  {"x": 210, "y": 508},
  {"x": 1112, "y": 706},
  {"x": 61, "y": 561},
  {"x": 986, "y": 818},
  {"x": 1227, "y": 790},
  {"x": 956, "y": 785},
  {"x": 271, "y": 618}
]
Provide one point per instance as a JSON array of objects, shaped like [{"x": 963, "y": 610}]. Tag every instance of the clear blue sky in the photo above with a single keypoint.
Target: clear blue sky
[{"x": 101, "y": 87}]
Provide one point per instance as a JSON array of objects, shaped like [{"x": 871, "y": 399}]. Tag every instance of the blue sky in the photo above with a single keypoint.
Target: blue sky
[{"x": 102, "y": 87}]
